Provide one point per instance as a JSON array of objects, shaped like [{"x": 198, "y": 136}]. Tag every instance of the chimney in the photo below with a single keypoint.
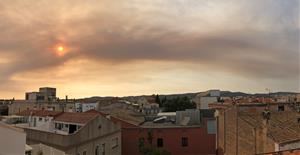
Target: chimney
[
  {"x": 266, "y": 114},
  {"x": 66, "y": 98}
]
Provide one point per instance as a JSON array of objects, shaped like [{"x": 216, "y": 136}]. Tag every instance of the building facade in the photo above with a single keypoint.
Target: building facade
[
  {"x": 12, "y": 141},
  {"x": 74, "y": 134},
  {"x": 256, "y": 128}
]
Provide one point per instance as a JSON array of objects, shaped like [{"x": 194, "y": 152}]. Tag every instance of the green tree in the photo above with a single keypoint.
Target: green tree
[{"x": 178, "y": 104}]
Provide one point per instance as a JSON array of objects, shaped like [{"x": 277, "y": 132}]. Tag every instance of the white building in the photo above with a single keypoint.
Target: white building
[
  {"x": 12, "y": 140},
  {"x": 205, "y": 101},
  {"x": 216, "y": 93},
  {"x": 83, "y": 107},
  {"x": 40, "y": 119},
  {"x": 202, "y": 100}
]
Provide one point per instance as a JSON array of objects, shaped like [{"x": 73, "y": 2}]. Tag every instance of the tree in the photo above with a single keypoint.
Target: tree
[
  {"x": 157, "y": 100},
  {"x": 178, "y": 104}
]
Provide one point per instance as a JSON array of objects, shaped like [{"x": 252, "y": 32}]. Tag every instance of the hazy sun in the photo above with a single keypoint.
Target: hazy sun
[
  {"x": 60, "y": 51},
  {"x": 60, "y": 48}
]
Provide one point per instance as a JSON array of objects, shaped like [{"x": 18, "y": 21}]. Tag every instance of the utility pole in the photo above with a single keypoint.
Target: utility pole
[
  {"x": 237, "y": 129},
  {"x": 269, "y": 94}
]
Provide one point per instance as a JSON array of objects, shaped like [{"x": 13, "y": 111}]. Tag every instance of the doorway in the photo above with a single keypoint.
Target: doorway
[{"x": 72, "y": 128}]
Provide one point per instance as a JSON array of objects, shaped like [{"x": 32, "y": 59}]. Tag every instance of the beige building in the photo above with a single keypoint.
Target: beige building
[
  {"x": 72, "y": 133},
  {"x": 12, "y": 140},
  {"x": 256, "y": 128},
  {"x": 18, "y": 106}
]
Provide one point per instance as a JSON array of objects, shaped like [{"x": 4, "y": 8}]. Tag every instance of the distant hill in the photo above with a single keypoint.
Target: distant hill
[
  {"x": 233, "y": 94},
  {"x": 190, "y": 95}
]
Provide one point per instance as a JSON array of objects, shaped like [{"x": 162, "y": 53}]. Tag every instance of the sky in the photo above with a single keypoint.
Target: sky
[{"x": 135, "y": 47}]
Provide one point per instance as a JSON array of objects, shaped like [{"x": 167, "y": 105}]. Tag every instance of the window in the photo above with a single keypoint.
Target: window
[
  {"x": 160, "y": 142},
  {"x": 103, "y": 149},
  {"x": 58, "y": 126},
  {"x": 66, "y": 125},
  {"x": 211, "y": 127},
  {"x": 84, "y": 153},
  {"x": 141, "y": 142},
  {"x": 184, "y": 141},
  {"x": 280, "y": 107},
  {"x": 114, "y": 142},
  {"x": 40, "y": 118},
  {"x": 97, "y": 150},
  {"x": 28, "y": 153}
]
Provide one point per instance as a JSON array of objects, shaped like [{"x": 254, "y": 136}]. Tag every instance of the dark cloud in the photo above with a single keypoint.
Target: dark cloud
[{"x": 254, "y": 45}]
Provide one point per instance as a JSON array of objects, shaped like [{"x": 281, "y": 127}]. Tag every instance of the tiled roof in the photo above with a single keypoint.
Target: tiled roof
[
  {"x": 282, "y": 126},
  {"x": 80, "y": 118},
  {"x": 40, "y": 113},
  {"x": 123, "y": 123}
]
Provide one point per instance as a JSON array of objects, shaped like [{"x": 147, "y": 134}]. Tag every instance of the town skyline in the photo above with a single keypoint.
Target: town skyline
[
  {"x": 226, "y": 92},
  {"x": 123, "y": 48}
]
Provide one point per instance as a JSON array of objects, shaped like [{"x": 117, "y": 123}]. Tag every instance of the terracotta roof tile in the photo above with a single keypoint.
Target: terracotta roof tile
[
  {"x": 40, "y": 113},
  {"x": 80, "y": 118},
  {"x": 123, "y": 123}
]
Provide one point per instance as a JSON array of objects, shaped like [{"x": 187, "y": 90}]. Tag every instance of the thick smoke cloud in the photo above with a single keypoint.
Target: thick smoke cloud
[{"x": 258, "y": 39}]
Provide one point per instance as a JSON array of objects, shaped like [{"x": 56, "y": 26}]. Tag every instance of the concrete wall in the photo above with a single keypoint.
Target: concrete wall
[
  {"x": 193, "y": 115},
  {"x": 12, "y": 141},
  {"x": 96, "y": 132},
  {"x": 106, "y": 141},
  {"x": 46, "y": 150},
  {"x": 204, "y": 101}
]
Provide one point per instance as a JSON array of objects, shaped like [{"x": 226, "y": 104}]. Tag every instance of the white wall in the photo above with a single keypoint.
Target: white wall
[
  {"x": 83, "y": 107},
  {"x": 204, "y": 101},
  {"x": 216, "y": 93},
  {"x": 12, "y": 141},
  {"x": 88, "y": 106},
  {"x": 43, "y": 124},
  {"x": 46, "y": 150}
]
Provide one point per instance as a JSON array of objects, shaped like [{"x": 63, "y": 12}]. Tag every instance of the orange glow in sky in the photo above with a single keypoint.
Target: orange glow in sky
[{"x": 60, "y": 50}]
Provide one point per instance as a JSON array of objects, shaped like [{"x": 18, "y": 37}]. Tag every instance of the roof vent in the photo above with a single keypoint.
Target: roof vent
[{"x": 266, "y": 114}]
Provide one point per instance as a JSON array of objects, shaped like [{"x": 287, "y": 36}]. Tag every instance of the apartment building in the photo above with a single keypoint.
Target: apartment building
[
  {"x": 71, "y": 133},
  {"x": 44, "y": 94}
]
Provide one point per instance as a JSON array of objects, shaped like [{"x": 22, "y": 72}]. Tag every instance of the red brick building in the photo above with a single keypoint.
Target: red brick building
[{"x": 176, "y": 140}]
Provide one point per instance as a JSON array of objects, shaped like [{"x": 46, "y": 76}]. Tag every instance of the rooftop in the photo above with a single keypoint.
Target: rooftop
[
  {"x": 151, "y": 124},
  {"x": 40, "y": 113},
  {"x": 283, "y": 127},
  {"x": 123, "y": 123},
  {"x": 79, "y": 118}
]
